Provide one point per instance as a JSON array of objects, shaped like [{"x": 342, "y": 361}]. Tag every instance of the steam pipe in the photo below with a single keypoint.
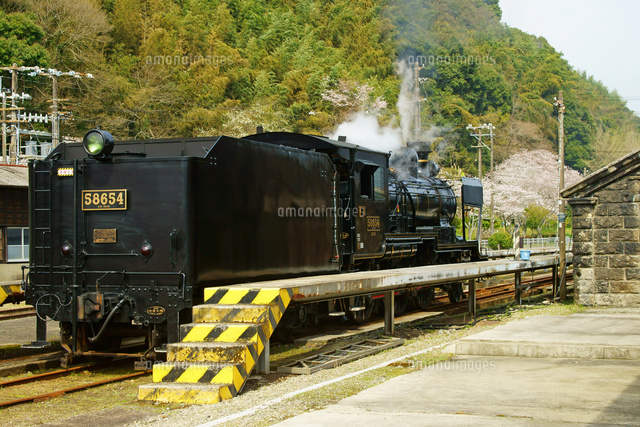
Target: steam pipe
[{"x": 107, "y": 320}]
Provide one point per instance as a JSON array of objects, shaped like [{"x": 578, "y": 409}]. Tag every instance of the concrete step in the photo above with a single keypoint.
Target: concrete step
[
  {"x": 235, "y": 295},
  {"x": 276, "y": 299},
  {"x": 544, "y": 350},
  {"x": 578, "y": 336},
  {"x": 220, "y": 347},
  {"x": 8, "y": 289},
  {"x": 197, "y": 394},
  {"x": 224, "y": 332},
  {"x": 230, "y": 313},
  {"x": 214, "y": 352},
  {"x": 200, "y": 373}
]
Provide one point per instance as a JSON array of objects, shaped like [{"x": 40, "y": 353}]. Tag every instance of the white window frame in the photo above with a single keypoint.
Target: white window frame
[{"x": 24, "y": 246}]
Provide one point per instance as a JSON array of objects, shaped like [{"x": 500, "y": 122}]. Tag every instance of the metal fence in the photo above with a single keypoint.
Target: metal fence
[{"x": 539, "y": 242}]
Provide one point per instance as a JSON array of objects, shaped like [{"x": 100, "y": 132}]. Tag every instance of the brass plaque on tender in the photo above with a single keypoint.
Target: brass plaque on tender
[
  {"x": 155, "y": 310},
  {"x": 104, "y": 235}
]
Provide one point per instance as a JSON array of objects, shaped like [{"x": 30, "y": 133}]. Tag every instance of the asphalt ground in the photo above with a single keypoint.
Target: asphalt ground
[
  {"x": 515, "y": 374},
  {"x": 23, "y": 331}
]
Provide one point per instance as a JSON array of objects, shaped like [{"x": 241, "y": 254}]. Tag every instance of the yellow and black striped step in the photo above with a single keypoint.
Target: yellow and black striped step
[
  {"x": 230, "y": 313},
  {"x": 224, "y": 332},
  {"x": 248, "y": 296},
  {"x": 8, "y": 290},
  {"x": 198, "y": 394},
  {"x": 214, "y": 352},
  {"x": 220, "y": 348},
  {"x": 200, "y": 373}
]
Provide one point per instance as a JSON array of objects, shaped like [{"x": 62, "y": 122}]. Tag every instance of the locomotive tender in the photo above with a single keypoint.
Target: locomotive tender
[{"x": 124, "y": 237}]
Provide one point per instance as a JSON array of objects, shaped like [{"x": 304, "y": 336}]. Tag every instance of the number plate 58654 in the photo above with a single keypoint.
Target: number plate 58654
[{"x": 104, "y": 200}]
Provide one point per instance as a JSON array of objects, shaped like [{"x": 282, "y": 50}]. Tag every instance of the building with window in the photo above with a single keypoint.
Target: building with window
[{"x": 14, "y": 221}]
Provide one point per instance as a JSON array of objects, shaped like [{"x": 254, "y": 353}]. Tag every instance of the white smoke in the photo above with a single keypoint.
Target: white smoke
[
  {"x": 406, "y": 103},
  {"x": 364, "y": 130}
]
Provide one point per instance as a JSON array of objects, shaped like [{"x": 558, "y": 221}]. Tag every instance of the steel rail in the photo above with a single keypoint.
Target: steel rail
[
  {"x": 46, "y": 375},
  {"x": 57, "y": 393},
  {"x": 17, "y": 313}
]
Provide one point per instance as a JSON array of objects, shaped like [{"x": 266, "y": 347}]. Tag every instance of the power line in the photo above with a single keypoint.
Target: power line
[{"x": 17, "y": 118}]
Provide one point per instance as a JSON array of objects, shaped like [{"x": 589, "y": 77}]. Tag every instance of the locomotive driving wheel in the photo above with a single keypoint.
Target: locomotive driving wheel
[
  {"x": 358, "y": 309},
  {"x": 400, "y": 303},
  {"x": 455, "y": 292},
  {"x": 424, "y": 297}
]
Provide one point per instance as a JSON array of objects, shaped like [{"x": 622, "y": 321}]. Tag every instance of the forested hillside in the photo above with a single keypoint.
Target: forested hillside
[{"x": 204, "y": 67}]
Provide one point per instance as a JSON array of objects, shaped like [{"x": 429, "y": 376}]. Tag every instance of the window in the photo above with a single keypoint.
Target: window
[
  {"x": 365, "y": 181},
  {"x": 17, "y": 244},
  {"x": 372, "y": 182},
  {"x": 378, "y": 184}
]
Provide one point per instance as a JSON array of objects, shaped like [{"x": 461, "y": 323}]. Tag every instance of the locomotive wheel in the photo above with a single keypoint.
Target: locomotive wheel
[
  {"x": 455, "y": 293},
  {"x": 283, "y": 334},
  {"x": 400, "y": 303},
  {"x": 424, "y": 297},
  {"x": 365, "y": 305}
]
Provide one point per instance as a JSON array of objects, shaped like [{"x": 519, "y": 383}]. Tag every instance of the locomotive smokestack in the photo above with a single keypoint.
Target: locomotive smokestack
[
  {"x": 425, "y": 166},
  {"x": 422, "y": 149},
  {"x": 423, "y": 155}
]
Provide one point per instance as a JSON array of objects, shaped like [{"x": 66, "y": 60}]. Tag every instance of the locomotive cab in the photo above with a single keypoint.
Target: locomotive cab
[{"x": 371, "y": 199}]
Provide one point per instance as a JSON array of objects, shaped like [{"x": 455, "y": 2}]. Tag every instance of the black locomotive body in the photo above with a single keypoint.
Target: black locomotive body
[{"x": 124, "y": 242}]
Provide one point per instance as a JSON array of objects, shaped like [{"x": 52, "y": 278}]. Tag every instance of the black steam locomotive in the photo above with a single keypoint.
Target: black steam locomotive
[{"x": 124, "y": 237}]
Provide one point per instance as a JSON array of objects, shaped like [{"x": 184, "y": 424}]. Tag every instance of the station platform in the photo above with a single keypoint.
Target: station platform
[
  {"x": 230, "y": 332},
  {"x": 527, "y": 372},
  {"x": 314, "y": 288}
]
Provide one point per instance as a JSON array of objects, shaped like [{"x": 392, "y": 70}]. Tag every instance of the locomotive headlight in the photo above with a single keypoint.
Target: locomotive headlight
[
  {"x": 146, "y": 250},
  {"x": 97, "y": 142},
  {"x": 66, "y": 249}
]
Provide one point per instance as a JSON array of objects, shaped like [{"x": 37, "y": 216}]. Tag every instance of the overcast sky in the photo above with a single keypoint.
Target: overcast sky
[{"x": 597, "y": 36}]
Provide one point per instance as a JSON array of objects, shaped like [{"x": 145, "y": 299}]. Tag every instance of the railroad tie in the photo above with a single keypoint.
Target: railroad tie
[{"x": 220, "y": 348}]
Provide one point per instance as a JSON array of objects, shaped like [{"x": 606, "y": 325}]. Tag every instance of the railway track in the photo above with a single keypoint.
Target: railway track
[
  {"x": 17, "y": 313},
  {"x": 57, "y": 374},
  {"x": 485, "y": 296}
]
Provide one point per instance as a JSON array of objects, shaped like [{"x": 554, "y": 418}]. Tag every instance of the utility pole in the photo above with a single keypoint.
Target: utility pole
[
  {"x": 559, "y": 104},
  {"x": 417, "y": 110},
  {"x": 417, "y": 121},
  {"x": 4, "y": 123},
  {"x": 55, "y": 119},
  {"x": 14, "y": 132},
  {"x": 479, "y": 154},
  {"x": 477, "y": 132},
  {"x": 491, "y": 128},
  {"x": 15, "y": 118}
]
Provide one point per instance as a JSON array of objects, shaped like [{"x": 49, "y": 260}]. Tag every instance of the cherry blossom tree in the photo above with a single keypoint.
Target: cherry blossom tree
[
  {"x": 527, "y": 178},
  {"x": 349, "y": 97}
]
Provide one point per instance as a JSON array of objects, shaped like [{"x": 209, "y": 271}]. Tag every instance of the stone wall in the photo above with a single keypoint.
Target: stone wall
[{"x": 606, "y": 246}]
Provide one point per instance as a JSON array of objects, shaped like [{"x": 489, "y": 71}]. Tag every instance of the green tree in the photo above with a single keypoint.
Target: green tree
[
  {"x": 536, "y": 217},
  {"x": 21, "y": 40}
]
